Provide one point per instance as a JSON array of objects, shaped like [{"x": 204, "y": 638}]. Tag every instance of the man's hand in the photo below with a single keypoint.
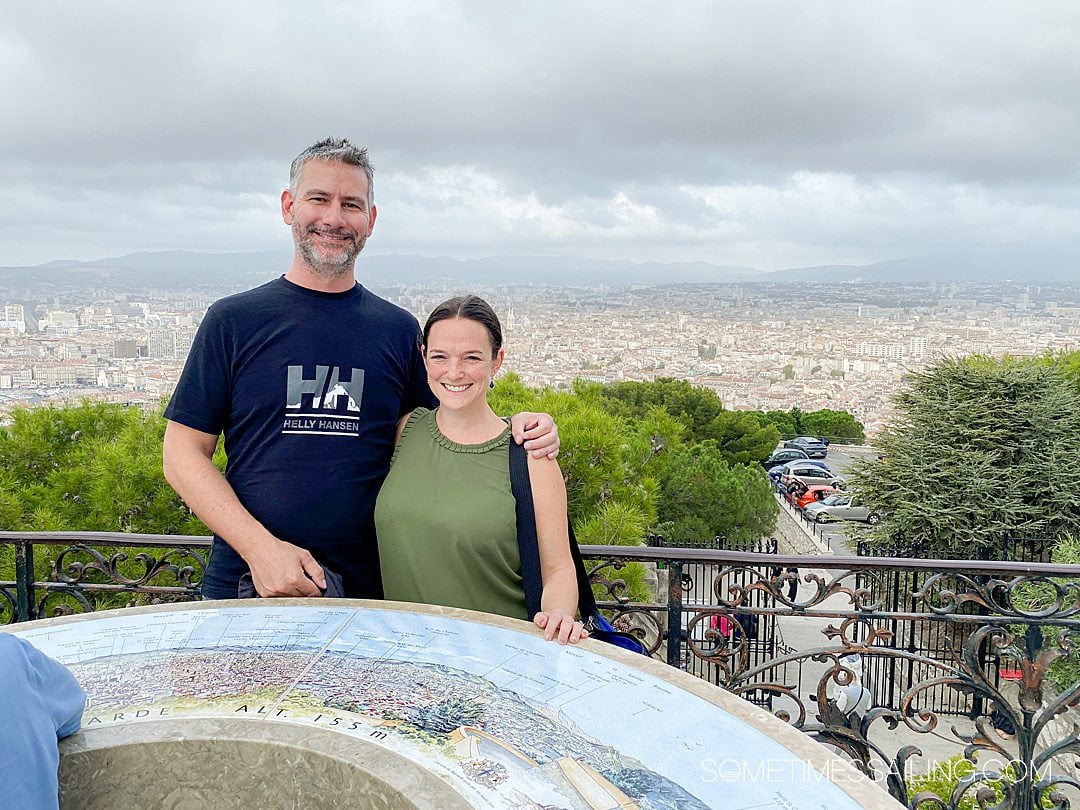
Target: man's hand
[
  {"x": 537, "y": 433},
  {"x": 282, "y": 569}
]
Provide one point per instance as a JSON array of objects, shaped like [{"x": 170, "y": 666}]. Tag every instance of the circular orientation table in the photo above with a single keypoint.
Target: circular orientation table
[{"x": 328, "y": 703}]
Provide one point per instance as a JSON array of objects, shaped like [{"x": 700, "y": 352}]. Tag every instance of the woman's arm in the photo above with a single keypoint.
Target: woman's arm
[{"x": 560, "y": 595}]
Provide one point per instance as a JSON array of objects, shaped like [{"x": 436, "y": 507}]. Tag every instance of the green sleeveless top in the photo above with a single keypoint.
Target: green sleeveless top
[{"x": 446, "y": 522}]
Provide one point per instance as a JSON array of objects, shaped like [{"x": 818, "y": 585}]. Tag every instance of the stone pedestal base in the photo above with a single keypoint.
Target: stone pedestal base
[{"x": 195, "y": 763}]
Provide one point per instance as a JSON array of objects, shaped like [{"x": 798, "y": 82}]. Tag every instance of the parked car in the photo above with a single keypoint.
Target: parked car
[
  {"x": 843, "y": 506},
  {"x": 814, "y": 494},
  {"x": 775, "y": 473},
  {"x": 809, "y": 474},
  {"x": 783, "y": 457},
  {"x": 811, "y": 445}
]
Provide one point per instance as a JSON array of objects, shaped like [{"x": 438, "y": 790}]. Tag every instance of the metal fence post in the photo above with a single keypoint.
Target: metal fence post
[
  {"x": 24, "y": 580},
  {"x": 674, "y": 617}
]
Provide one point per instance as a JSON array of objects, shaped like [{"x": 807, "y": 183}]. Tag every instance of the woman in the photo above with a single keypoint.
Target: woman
[{"x": 445, "y": 515}]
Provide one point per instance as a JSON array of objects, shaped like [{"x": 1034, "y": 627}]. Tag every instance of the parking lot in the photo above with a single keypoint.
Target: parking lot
[{"x": 840, "y": 535}]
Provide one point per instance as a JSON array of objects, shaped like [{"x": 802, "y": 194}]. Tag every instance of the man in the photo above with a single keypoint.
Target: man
[
  {"x": 306, "y": 376},
  {"x": 41, "y": 703}
]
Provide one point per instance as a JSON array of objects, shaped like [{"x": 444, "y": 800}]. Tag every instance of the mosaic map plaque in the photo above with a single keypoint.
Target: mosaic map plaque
[{"x": 511, "y": 721}]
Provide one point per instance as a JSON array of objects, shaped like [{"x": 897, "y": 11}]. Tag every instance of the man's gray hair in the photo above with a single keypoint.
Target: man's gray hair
[{"x": 338, "y": 150}]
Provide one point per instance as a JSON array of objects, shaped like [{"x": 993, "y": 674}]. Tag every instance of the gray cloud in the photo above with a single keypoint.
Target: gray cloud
[{"x": 757, "y": 133}]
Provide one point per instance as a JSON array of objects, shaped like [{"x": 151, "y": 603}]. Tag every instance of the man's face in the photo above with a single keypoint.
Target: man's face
[{"x": 329, "y": 215}]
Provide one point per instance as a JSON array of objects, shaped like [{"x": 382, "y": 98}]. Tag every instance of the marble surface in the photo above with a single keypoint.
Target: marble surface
[{"x": 232, "y": 758}]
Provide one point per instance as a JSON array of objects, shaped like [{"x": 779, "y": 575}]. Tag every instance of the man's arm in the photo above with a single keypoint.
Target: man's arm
[{"x": 277, "y": 568}]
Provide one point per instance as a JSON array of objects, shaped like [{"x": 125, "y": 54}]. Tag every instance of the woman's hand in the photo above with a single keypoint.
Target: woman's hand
[{"x": 560, "y": 626}]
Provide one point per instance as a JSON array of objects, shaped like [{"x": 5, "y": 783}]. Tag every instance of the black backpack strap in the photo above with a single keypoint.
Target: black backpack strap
[
  {"x": 528, "y": 544},
  {"x": 586, "y": 603}
]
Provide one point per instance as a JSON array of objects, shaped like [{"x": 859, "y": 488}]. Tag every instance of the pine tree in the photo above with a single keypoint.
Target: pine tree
[{"x": 979, "y": 448}]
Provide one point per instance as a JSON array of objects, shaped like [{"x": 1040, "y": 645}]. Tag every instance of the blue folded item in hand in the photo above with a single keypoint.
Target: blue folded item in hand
[{"x": 335, "y": 588}]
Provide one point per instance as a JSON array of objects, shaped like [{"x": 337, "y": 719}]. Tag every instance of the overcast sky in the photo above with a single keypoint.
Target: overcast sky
[{"x": 763, "y": 134}]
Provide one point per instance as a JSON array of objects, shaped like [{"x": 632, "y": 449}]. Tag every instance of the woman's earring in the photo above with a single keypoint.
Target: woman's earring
[{"x": 491, "y": 383}]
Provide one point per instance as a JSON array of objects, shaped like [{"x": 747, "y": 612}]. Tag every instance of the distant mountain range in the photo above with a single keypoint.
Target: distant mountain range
[
  {"x": 1032, "y": 265},
  {"x": 176, "y": 268}
]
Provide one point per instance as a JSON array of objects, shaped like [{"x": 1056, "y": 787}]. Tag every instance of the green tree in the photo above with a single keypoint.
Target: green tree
[
  {"x": 89, "y": 467},
  {"x": 789, "y": 372},
  {"x": 784, "y": 423},
  {"x": 694, "y": 407},
  {"x": 838, "y": 426},
  {"x": 704, "y": 496},
  {"x": 741, "y": 436},
  {"x": 979, "y": 447},
  {"x": 831, "y": 424},
  {"x": 1068, "y": 363},
  {"x": 796, "y": 415}
]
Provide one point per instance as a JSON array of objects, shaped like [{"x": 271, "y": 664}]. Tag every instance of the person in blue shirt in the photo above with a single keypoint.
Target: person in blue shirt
[{"x": 40, "y": 703}]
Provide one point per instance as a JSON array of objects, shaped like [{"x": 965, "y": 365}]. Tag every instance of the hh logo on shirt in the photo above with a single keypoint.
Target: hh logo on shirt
[{"x": 325, "y": 404}]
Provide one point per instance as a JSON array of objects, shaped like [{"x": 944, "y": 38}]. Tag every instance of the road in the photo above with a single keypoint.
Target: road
[{"x": 839, "y": 535}]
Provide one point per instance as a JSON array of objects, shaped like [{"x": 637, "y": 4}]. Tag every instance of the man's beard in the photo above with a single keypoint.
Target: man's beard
[{"x": 323, "y": 262}]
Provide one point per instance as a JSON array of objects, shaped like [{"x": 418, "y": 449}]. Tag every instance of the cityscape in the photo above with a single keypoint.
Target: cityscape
[{"x": 759, "y": 345}]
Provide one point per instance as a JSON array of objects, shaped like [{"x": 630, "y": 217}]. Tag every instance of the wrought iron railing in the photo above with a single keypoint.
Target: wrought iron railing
[
  {"x": 114, "y": 569},
  {"x": 813, "y": 639}
]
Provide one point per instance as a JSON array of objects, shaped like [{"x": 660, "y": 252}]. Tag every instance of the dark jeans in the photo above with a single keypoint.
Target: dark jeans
[
  {"x": 220, "y": 581},
  {"x": 217, "y": 589}
]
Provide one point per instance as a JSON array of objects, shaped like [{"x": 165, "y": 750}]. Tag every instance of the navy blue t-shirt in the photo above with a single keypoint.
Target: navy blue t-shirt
[{"x": 307, "y": 388}]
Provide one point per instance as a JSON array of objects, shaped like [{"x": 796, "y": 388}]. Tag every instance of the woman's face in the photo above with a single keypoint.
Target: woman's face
[{"x": 459, "y": 362}]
